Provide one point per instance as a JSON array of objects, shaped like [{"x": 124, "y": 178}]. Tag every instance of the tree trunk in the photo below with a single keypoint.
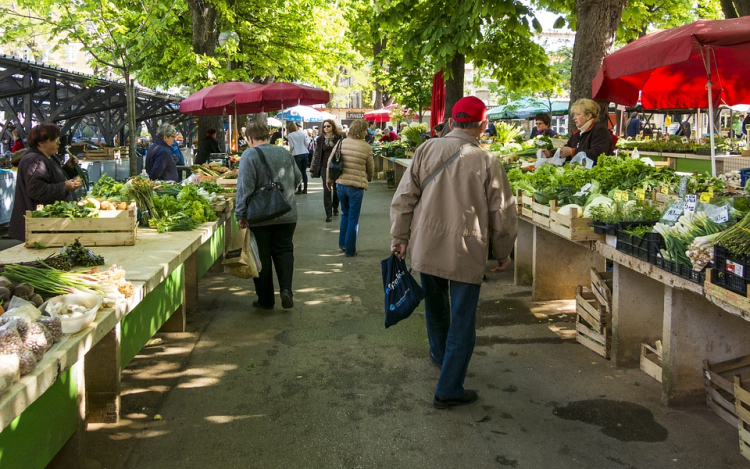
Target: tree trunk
[
  {"x": 130, "y": 111},
  {"x": 377, "y": 48},
  {"x": 205, "y": 40},
  {"x": 727, "y": 7},
  {"x": 454, "y": 86},
  {"x": 595, "y": 34},
  {"x": 743, "y": 7}
]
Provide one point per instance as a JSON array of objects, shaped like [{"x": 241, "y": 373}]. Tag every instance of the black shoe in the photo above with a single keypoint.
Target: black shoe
[
  {"x": 468, "y": 397},
  {"x": 329, "y": 218},
  {"x": 287, "y": 300},
  {"x": 304, "y": 191},
  {"x": 335, "y": 213},
  {"x": 436, "y": 362},
  {"x": 351, "y": 255},
  {"x": 342, "y": 248},
  {"x": 257, "y": 304}
]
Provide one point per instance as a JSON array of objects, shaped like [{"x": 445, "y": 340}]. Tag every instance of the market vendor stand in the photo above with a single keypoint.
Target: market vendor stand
[{"x": 78, "y": 381}]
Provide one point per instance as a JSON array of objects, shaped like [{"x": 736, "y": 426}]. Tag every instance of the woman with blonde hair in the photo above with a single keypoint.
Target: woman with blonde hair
[
  {"x": 593, "y": 137},
  {"x": 324, "y": 145},
  {"x": 352, "y": 184}
]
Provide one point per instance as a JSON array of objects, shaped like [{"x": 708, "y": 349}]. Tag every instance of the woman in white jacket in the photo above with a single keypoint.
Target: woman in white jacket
[
  {"x": 352, "y": 184},
  {"x": 298, "y": 147}
]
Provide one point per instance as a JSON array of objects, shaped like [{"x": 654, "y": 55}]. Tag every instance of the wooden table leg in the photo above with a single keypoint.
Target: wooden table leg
[
  {"x": 523, "y": 260},
  {"x": 102, "y": 375}
]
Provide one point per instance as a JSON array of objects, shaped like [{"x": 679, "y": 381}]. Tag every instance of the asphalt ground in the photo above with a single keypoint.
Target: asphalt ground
[{"x": 325, "y": 385}]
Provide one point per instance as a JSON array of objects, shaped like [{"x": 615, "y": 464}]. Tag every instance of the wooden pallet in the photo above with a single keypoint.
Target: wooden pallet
[
  {"x": 570, "y": 227},
  {"x": 651, "y": 360},
  {"x": 597, "y": 342},
  {"x": 111, "y": 228},
  {"x": 719, "y": 386}
]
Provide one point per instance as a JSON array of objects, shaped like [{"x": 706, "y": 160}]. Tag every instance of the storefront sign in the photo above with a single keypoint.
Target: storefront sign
[{"x": 355, "y": 115}]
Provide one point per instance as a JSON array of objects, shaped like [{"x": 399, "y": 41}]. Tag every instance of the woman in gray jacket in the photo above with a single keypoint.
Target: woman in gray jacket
[
  {"x": 274, "y": 237},
  {"x": 352, "y": 184}
]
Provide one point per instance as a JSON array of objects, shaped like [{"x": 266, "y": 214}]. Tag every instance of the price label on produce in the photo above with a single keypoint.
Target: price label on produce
[
  {"x": 691, "y": 203},
  {"x": 722, "y": 216},
  {"x": 675, "y": 212},
  {"x": 706, "y": 197},
  {"x": 665, "y": 190},
  {"x": 640, "y": 194},
  {"x": 683, "y": 187},
  {"x": 621, "y": 196}
]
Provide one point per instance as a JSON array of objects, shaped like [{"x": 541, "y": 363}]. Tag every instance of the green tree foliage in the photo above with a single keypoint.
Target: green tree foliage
[{"x": 495, "y": 35}]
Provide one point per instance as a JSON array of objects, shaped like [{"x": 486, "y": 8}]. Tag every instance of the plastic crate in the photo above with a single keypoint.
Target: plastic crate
[
  {"x": 604, "y": 228},
  {"x": 725, "y": 261},
  {"x": 729, "y": 281},
  {"x": 655, "y": 245},
  {"x": 669, "y": 266},
  {"x": 624, "y": 242},
  {"x": 744, "y": 176},
  {"x": 692, "y": 275}
]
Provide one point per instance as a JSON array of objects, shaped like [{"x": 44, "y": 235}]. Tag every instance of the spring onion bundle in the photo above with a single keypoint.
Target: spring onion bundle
[{"x": 50, "y": 281}]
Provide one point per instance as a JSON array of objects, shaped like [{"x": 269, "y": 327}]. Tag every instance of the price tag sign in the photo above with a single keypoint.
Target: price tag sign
[
  {"x": 621, "y": 196},
  {"x": 665, "y": 190},
  {"x": 683, "y": 187},
  {"x": 640, "y": 194},
  {"x": 706, "y": 197},
  {"x": 722, "y": 216},
  {"x": 674, "y": 212},
  {"x": 691, "y": 203}
]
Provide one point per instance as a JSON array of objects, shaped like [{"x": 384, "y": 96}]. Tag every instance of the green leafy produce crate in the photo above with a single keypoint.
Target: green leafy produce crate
[{"x": 111, "y": 228}]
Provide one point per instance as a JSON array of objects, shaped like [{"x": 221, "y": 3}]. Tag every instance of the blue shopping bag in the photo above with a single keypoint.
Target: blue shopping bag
[{"x": 402, "y": 292}]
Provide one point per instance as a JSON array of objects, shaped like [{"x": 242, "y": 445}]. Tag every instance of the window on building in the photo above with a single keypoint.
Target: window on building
[{"x": 71, "y": 53}]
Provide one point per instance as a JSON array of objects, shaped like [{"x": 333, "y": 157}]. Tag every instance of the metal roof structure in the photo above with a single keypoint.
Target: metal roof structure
[{"x": 33, "y": 92}]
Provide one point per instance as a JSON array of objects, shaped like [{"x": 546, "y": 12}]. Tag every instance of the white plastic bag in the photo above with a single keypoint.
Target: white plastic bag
[
  {"x": 541, "y": 160},
  {"x": 583, "y": 160}
]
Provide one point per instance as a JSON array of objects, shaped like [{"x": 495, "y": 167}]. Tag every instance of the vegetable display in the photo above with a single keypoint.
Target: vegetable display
[{"x": 62, "y": 209}]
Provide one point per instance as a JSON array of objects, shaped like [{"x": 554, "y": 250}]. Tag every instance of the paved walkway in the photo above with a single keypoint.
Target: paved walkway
[{"x": 324, "y": 385}]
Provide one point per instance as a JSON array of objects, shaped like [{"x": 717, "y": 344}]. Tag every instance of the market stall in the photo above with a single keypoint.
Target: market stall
[{"x": 78, "y": 379}]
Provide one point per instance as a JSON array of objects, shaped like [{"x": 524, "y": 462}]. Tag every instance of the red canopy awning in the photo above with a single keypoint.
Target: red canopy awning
[
  {"x": 218, "y": 99},
  {"x": 670, "y": 69}
]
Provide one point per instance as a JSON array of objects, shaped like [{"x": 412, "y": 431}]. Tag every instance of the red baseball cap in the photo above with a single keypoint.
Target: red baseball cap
[{"x": 473, "y": 107}]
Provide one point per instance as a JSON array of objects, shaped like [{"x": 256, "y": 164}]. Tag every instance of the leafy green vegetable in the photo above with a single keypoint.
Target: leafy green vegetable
[{"x": 62, "y": 209}]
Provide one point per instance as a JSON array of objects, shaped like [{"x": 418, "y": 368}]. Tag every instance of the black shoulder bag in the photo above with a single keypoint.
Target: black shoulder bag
[
  {"x": 267, "y": 202},
  {"x": 335, "y": 163}
]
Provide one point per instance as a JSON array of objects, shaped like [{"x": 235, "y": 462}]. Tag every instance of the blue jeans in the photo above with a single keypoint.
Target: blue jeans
[
  {"x": 451, "y": 314},
  {"x": 302, "y": 165},
  {"x": 351, "y": 204}
]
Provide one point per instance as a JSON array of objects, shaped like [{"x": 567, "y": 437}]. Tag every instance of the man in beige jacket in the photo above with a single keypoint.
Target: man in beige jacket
[{"x": 453, "y": 199}]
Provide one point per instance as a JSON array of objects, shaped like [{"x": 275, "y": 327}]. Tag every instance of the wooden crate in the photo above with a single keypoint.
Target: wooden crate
[
  {"x": 742, "y": 410},
  {"x": 719, "y": 386},
  {"x": 226, "y": 182},
  {"x": 111, "y": 228},
  {"x": 570, "y": 227},
  {"x": 601, "y": 286},
  {"x": 591, "y": 310},
  {"x": 727, "y": 296},
  {"x": 651, "y": 360},
  {"x": 107, "y": 153},
  {"x": 597, "y": 342}
]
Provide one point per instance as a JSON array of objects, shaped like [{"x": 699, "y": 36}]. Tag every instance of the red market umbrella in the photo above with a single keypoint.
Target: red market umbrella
[
  {"x": 218, "y": 99},
  {"x": 672, "y": 69},
  {"x": 437, "y": 109},
  {"x": 279, "y": 95},
  {"x": 384, "y": 114}
]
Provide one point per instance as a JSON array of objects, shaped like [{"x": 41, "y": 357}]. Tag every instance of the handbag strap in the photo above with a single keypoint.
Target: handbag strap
[
  {"x": 265, "y": 163},
  {"x": 443, "y": 165}
]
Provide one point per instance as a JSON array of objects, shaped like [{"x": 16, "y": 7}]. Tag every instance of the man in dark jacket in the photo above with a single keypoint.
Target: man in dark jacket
[
  {"x": 159, "y": 162},
  {"x": 206, "y": 146}
]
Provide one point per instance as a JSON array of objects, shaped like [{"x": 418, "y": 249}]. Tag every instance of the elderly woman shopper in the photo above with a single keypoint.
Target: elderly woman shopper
[
  {"x": 274, "y": 237},
  {"x": 323, "y": 148},
  {"x": 352, "y": 184},
  {"x": 41, "y": 179},
  {"x": 593, "y": 137},
  {"x": 159, "y": 162},
  {"x": 298, "y": 146}
]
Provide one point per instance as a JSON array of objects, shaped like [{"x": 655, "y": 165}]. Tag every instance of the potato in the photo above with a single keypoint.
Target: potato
[
  {"x": 122, "y": 206},
  {"x": 107, "y": 205}
]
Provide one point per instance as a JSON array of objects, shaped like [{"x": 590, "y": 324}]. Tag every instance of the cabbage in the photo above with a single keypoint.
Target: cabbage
[
  {"x": 565, "y": 210},
  {"x": 601, "y": 200}
]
